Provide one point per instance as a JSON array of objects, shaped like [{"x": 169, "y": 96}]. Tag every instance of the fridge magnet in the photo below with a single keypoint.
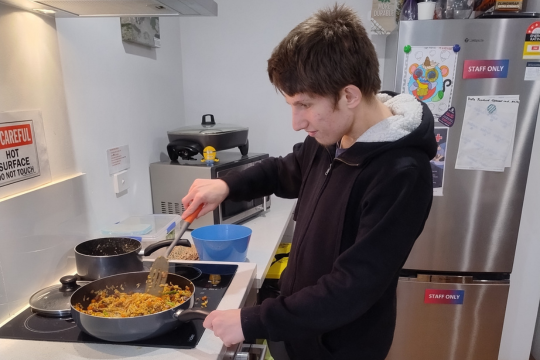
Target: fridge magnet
[
  {"x": 456, "y": 48},
  {"x": 437, "y": 163},
  {"x": 448, "y": 117},
  {"x": 531, "y": 48},
  {"x": 141, "y": 30},
  {"x": 487, "y": 135},
  {"x": 532, "y": 71},
  {"x": 428, "y": 75},
  {"x": 24, "y": 163}
]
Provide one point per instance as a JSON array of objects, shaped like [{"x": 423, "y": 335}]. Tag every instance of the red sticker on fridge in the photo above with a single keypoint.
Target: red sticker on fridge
[
  {"x": 436, "y": 296},
  {"x": 485, "y": 69}
]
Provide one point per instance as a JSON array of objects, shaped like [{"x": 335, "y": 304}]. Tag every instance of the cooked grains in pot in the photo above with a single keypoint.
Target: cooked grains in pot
[{"x": 184, "y": 253}]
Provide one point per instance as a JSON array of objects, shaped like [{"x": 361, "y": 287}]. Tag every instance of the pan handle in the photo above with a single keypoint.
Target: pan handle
[
  {"x": 191, "y": 314},
  {"x": 164, "y": 243}
]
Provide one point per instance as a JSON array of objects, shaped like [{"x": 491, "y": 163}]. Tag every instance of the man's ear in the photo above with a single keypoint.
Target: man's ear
[{"x": 352, "y": 95}]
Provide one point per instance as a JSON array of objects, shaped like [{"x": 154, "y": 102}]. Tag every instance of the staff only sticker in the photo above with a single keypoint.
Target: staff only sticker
[
  {"x": 436, "y": 296},
  {"x": 18, "y": 153},
  {"x": 485, "y": 69},
  {"x": 24, "y": 163}
]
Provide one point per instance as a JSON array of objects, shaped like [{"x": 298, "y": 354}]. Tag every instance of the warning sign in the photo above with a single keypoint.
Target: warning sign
[
  {"x": 531, "y": 48},
  {"x": 23, "y": 155},
  {"x": 18, "y": 153}
]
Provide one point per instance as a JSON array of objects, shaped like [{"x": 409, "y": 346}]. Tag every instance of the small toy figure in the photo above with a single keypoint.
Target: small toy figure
[{"x": 209, "y": 156}]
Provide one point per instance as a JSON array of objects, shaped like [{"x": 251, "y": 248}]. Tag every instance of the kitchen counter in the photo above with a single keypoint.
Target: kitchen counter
[{"x": 268, "y": 230}]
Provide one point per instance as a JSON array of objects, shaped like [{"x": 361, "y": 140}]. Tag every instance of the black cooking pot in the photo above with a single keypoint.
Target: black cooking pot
[
  {"x": 99, "y": 258},
  {"x": 133, "y": 328}
]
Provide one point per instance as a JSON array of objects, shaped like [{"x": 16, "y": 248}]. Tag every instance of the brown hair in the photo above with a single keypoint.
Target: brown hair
[{"x": 325, "y": 53}]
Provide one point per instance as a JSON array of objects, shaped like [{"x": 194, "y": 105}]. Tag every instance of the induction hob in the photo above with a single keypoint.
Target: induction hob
[{"x": 210, "y": 280}]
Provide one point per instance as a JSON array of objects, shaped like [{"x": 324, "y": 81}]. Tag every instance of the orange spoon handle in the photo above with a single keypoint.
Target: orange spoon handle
[{"x": 194, "y": 215}]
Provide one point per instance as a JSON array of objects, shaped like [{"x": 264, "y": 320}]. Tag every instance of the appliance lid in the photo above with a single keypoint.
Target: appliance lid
[
  {"x": 116, "y": 8},
  {"x": 53, "y": 301},
  {"x": 207, "y": 128},
  {"x": 211, "y": 130}
]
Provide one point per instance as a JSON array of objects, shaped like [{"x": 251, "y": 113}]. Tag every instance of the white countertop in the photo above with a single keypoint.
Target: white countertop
[{"x": 268, "y": 230}]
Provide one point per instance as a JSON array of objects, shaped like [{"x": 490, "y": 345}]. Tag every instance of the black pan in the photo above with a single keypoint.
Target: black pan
[
  {"x": 134, "y": 328},
  {"x": 99, "y": 258}
]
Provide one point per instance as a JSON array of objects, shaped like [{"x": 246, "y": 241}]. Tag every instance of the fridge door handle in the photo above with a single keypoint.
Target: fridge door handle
[{"x": 447, "y": 279}]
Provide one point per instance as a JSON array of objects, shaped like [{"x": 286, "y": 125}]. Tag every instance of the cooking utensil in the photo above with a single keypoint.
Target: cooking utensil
[
  {"x": 160, "y": 267},
  {"x": 157, "y": 276},
  {"x": 187, "y": 141},
  {"x": 98, "y": 258},
  {"x": 53, "y": 301},
  {"x": 133, "y": 328},
  {"x": 224, "y": 242}
]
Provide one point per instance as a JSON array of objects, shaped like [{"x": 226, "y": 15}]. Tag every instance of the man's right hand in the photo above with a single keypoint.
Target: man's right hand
[{"x": 204, "y": 191}]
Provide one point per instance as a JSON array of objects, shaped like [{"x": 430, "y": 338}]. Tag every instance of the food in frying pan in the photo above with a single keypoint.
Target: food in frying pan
[{"x": 113, "y": 303}]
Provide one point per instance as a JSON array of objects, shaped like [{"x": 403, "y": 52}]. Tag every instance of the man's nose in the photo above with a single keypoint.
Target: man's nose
[{"x": 298, "y": 122}]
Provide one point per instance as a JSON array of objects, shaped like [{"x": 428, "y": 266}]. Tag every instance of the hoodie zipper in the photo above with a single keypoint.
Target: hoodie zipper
[
  {"x": 332, "y": 163},
  {"x": 323, "y": 186}
]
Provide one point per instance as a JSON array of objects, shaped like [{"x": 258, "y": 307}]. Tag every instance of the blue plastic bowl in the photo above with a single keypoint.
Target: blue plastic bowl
[{"x": 222, "y": 242}]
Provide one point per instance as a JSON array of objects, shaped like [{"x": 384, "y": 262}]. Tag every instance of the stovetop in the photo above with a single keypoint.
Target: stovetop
[{"x": 210, "y": 280}]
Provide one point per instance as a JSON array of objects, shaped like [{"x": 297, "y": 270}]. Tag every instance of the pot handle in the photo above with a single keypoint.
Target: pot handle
[
  {"x": 191, "y": 314},
  {"x": 212, "y": 122},
  {"x": 164, "y": 243}
]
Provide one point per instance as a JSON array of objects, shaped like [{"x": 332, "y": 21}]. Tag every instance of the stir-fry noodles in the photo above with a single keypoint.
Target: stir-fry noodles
[{"x": 113, "y": 303}]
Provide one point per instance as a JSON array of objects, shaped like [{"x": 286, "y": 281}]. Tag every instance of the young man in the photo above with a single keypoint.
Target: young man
[{"x": 363, "y": 182}]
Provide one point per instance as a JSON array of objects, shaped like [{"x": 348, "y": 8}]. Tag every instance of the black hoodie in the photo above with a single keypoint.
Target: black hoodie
[{"x": 357, "y": 218}]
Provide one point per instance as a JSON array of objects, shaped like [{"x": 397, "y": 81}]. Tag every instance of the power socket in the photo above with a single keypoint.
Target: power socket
[{"x": 121, "y": 181}]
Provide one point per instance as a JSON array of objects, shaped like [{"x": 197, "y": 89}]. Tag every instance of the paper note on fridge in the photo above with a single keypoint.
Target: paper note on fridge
[{"x": 487, "y": 135}]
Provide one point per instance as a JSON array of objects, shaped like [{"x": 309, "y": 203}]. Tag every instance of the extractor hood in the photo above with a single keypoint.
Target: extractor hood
[{"x": 95, "y": 8}]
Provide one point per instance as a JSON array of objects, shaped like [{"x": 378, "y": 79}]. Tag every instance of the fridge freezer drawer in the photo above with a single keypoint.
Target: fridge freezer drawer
[{"x": 434, "y": 328}]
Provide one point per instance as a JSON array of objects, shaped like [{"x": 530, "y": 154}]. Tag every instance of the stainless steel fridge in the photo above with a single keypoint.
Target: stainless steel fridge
[{"x": 453, "y": 289}]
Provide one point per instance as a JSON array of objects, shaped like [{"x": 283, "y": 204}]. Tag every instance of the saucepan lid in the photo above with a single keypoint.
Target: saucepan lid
[
  {"x": 53, "y": 301},
  {"x": 208, "y": 126}
]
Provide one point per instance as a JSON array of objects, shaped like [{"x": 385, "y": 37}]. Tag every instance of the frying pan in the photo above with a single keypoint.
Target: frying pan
[{"x": 133, "y": 328}]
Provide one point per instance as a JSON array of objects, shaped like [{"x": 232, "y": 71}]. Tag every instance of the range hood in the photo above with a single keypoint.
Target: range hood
[{"x": 98, "y": 8}]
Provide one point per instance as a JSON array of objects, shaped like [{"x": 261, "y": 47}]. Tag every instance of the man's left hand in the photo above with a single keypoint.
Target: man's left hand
[{"x": 226, "y": 325}]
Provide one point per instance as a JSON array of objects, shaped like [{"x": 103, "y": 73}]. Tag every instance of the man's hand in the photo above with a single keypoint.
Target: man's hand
[
  {"x": 204, "y": 191},
  {"x": 226, "y": 325}
]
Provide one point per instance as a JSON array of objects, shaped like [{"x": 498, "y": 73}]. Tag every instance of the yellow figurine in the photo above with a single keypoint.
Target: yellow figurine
[{"x": 209, "y": 155}]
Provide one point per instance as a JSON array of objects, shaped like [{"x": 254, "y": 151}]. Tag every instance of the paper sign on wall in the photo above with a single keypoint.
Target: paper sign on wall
[
  {"x": 24, "y": 163},
  {"x": 118, "y": 159}
]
